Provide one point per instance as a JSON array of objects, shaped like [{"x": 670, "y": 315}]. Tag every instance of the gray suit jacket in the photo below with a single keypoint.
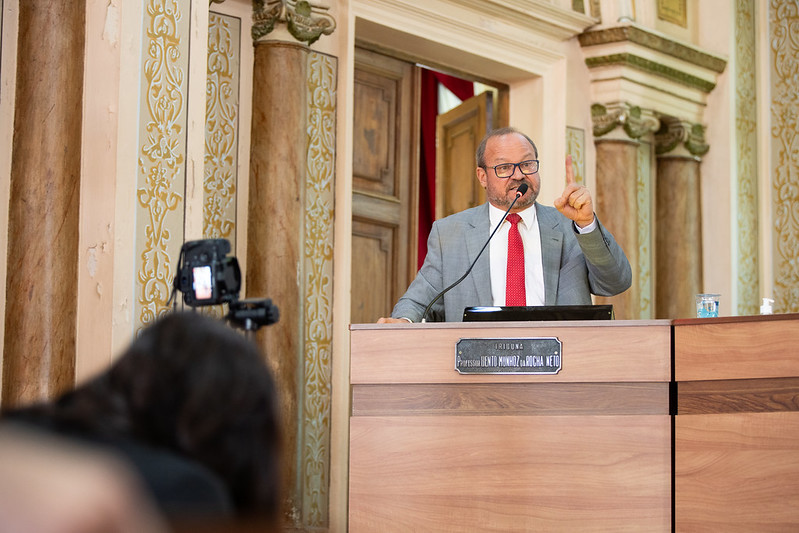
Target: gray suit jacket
[{"x": 575, "y": 266}]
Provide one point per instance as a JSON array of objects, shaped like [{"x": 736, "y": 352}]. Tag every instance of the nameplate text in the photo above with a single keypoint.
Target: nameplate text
[{"x": 537, "y": 355}]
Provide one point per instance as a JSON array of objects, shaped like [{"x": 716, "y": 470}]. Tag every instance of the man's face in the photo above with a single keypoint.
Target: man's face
[{"x": 512, "y": 148}]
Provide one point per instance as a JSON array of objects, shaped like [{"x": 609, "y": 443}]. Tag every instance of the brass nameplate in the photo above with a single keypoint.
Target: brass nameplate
[{"x": 536, "y": 355}]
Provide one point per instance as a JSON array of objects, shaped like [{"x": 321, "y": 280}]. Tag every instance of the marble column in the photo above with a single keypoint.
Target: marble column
[
  {"x": 678, "y": 241},
  {"x": 617, "y": 131},
  {"x": 274, "y": 248},
  {"x": 41, "y": 285},
  {"x": 617, "y": 208},
  {"x": 289, "y": 240}
]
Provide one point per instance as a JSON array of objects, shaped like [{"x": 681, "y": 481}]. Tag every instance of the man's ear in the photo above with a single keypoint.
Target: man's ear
[{"x": 481, "y": 176}]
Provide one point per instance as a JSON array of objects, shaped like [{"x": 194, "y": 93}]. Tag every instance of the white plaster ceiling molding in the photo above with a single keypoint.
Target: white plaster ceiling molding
[
  {"x": 510, "y": 38},
  {"x": 632, "y": 64}
]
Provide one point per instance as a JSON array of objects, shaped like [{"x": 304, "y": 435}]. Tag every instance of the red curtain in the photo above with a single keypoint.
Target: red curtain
[{"x": 464, "y": 90}]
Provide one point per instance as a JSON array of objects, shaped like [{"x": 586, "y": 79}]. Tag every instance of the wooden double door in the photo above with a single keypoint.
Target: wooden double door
[{"x": 385, "y": 181}]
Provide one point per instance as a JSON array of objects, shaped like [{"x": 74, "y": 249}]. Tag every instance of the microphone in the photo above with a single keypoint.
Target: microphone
[{"x": 519, "y": 193}]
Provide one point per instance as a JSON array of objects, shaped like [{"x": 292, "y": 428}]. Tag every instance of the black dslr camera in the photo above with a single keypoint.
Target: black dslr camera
[{"x": 207, "y": 276}]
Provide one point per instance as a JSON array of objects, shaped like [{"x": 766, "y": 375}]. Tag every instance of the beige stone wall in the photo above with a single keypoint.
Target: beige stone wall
[
  {"x": 98, "y": 188},
  {"x": 717, "y": 165}
]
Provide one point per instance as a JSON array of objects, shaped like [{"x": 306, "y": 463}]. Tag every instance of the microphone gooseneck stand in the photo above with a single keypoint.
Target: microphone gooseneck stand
[{"x": 519, "y": 193}]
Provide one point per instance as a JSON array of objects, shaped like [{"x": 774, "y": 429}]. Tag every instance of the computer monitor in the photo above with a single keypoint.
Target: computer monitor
[{"x": 538, "y": 313}]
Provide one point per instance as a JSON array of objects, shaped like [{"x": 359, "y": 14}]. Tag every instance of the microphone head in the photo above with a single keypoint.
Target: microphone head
[{"x": 521, "y": 190}]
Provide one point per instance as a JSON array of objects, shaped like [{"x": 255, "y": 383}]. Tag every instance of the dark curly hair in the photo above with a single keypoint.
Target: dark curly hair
[{"x": 195, "y": 387}]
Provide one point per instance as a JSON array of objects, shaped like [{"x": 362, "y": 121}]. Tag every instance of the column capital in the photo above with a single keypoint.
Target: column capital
[
  {"x": 305, "y": 21},
  {"x": 635, "y": 122},
  {"x": 675, "y": 135}
]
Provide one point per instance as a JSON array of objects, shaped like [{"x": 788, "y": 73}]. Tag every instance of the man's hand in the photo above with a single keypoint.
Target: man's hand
[
  {"x": 575, "y": 203},
  {"x": 389, "y": 320}
]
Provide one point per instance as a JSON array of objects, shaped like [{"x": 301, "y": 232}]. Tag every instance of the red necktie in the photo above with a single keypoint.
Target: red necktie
[{"x": 514, "y": 287}]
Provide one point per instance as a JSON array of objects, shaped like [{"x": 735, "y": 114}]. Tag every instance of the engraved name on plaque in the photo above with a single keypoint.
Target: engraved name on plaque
[{"x": 535, "y": 355}]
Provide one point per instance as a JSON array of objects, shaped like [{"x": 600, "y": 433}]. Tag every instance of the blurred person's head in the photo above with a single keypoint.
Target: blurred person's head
[{"x": 193, "y": 386}]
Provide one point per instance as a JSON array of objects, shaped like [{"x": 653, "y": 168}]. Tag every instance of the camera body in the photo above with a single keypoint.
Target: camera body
[{"x": 206, "y": 276}]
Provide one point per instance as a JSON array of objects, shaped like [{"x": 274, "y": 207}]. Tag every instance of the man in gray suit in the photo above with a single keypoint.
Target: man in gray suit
[{"x": 568, "y": 254}]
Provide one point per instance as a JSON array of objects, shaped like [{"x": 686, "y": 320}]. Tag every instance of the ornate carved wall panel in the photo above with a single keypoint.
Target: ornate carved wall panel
[
  {"x": 160, "y": 190},
  {"x": 575, "y": 145},
  {"x": 645, "y": 203},
  {"x": 221, "y": 128},
  {"x": 318, "y": 286},
  {"x": 784, "y": 69},
  {"x": 674, "y": 11},
  {"x": 747, "y": 285},
  {"x": 290, "y": 257}
]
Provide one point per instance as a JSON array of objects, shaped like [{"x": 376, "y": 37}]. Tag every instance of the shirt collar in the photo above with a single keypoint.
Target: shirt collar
[{"x": 528, "y": 215}]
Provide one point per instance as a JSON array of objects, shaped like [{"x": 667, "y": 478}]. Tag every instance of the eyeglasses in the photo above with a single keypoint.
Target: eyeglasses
[{"x": 506, "y": 170}]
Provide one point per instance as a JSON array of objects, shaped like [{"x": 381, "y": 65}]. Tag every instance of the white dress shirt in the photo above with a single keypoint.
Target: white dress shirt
[
  {"x": 533, "y": 265},
  {"x": 533, "y": 262}
]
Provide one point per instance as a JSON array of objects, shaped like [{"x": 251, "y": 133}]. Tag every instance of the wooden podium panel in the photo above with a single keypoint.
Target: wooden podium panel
[
  {"x": 510, "y": 473},
  {"x": 737, "y": 472},
  {"x": 593, "y": 351},
  {"x": 736, "y": 347},
  {"x": 737, "y": 424},
  {"x": 587, "y": 449}
]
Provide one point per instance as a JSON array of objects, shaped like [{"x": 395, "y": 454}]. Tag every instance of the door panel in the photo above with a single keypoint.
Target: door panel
[
  {"x": 458, "y": 133},
  {"x": 372, "y": 246},
  {"x": 385, "y": 176},
  {"x": 374, "y": 137}
]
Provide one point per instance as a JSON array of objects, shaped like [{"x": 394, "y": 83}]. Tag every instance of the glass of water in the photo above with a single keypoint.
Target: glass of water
[{"x": 707, "y": 305}]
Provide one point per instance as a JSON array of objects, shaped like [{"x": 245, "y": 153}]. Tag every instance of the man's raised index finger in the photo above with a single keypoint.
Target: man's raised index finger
[{"x": 569, "y": 171}]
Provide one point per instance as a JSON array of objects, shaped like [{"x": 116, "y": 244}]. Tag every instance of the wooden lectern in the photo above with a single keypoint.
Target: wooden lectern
[
  {"x": 586, "y": 449},
  {"x": 737, "y": 424}
]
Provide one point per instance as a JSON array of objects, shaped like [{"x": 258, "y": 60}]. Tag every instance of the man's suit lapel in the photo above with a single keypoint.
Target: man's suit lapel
[
  {"x": 476, "y": 235},
  {"x": 551, "y": 247}
]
